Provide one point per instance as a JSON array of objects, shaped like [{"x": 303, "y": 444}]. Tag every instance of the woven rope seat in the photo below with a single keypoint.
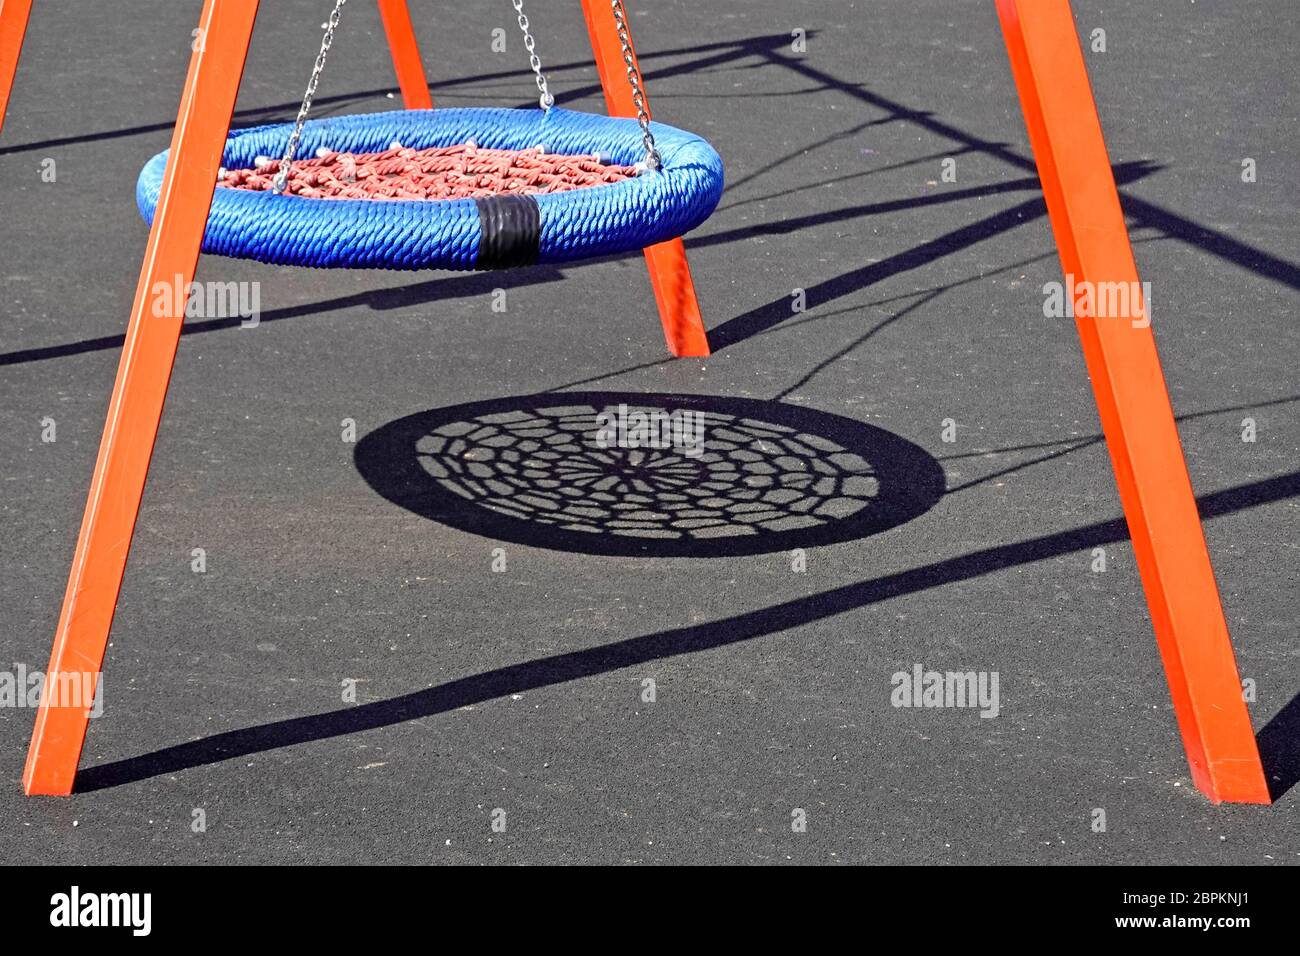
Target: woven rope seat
[
  {"x": 467, "y": 171},
  {"x": 453, "y": 189}
]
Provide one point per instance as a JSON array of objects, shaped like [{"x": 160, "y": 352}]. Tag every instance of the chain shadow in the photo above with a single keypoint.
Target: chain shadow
[{"x": 1145, "y": 213}]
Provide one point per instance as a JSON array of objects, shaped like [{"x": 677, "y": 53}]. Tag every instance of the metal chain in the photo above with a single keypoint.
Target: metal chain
[
  {"x": 546, "y": 100},
  {"x": 291, "y": 148},
  {"x": 634, "y": 79}
]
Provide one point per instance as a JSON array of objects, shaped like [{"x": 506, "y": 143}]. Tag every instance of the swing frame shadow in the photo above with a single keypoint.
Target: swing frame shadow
[{"x": 1279, "y": 739}]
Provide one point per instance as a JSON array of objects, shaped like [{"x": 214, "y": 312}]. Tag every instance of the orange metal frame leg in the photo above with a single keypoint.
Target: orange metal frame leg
[
  {"x": 670, "y": 274},
  {"x": 1136, "y": 416},
  {"x": 14, "y": 15},
  {"x": 406, "y": 54},
  {"x": 135, "y": 409}
]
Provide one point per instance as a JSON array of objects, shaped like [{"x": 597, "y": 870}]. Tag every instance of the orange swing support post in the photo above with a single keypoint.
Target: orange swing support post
[
  {"x": 411, "y": 78},
  {"x": 1133, "y": 402},
  {"x": 135, "y": 409},
  {"x": 14, "y": 15},
  {"x": 670, "y": 274}
]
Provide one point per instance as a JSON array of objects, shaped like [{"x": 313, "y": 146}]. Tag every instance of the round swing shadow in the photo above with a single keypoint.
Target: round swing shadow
[{"x": 649, "y": 474}]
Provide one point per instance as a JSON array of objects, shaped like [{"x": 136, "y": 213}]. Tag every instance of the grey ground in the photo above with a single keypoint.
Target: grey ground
[{"x": 833, "y": 169}]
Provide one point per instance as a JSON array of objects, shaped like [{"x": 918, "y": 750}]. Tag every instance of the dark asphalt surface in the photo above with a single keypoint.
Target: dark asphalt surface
[{"x": 522, "y": 690}]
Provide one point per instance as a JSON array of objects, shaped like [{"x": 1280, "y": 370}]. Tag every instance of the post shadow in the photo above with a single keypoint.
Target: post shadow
[
  {"x": 1279, "y": 749},
  {"x": 1277, "y": 741}
]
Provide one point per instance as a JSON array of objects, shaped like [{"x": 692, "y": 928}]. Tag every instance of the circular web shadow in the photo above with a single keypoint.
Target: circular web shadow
[{"x": 649, "y": 474}]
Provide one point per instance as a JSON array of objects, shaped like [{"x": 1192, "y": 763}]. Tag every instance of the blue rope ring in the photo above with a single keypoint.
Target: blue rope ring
[{"x": 459, "y": 233}]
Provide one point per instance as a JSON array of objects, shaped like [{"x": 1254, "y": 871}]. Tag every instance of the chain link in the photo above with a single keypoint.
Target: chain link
[
  {"x": 291, "y": 148},
  {"x": 652, "y": 160},
  {"x": 546, "y": 100}
]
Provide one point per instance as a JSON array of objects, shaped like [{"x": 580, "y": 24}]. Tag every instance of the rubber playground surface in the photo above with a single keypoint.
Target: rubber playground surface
[{"x": 326, "y": 653}]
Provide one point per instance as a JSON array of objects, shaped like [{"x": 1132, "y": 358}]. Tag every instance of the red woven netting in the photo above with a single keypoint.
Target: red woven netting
[{"x": 447, "y": 172}]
